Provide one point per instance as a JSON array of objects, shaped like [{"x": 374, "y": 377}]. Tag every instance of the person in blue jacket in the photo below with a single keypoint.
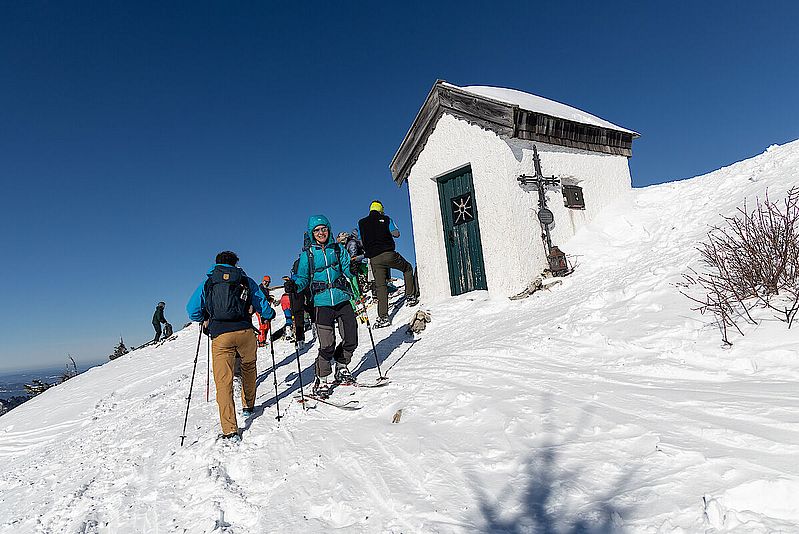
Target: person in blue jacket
[
  {"x": 325, "y": 268},
  {"x": 225, "y": 302}
]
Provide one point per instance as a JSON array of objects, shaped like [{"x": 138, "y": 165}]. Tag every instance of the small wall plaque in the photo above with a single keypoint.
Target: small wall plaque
[{"x": 573, "y": 197}]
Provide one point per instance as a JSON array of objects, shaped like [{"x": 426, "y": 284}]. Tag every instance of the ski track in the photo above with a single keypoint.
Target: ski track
[{"x": 603, "y": 404}]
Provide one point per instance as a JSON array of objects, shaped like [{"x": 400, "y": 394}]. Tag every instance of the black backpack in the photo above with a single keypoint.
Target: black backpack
[{"x": 227, "y": 294}]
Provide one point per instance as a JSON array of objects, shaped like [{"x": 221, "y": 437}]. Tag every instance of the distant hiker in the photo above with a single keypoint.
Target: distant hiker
[
  {"x": 325, "y": 268},
  {"x": 265, "y": 289},
  {"x": 158, "y": 318},
  {"x": 378, "y": 232},
  {"x": 225, "y": 302},
  {"x": 357, "y": 254},
  {"x": 264, "y": 325},
  {"x": 352, "y": 244}
]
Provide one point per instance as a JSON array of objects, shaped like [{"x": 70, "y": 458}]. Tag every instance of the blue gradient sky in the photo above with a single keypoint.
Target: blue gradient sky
[{"x": 138, "y": 139}]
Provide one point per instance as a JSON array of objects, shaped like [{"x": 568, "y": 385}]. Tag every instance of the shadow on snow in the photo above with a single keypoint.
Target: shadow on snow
[{"x": 544, "y": 504}]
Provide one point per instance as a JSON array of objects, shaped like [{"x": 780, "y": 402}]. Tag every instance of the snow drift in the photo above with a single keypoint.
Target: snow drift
[{"x": 603, "y": 404}]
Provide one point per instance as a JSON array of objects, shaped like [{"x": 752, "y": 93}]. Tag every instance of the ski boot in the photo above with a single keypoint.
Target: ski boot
[
  {"x": 382, "y": 322},
  {"x": 233, "y": 437},
  {"x": 322, "y": 388},
  {"x": 343, "y": 375}
]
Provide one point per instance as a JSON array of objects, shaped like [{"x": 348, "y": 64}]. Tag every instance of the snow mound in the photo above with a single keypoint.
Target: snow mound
[
  {"x": 774, "y": 498},
  {"x": 603, "y": 404}
]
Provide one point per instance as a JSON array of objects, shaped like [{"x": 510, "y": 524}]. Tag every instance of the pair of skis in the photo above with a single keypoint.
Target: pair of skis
[{"x": 348, "y": 405}]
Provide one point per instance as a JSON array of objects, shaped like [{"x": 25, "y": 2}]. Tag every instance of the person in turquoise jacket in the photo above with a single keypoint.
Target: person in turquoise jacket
[{"x": 325, "y": 268}]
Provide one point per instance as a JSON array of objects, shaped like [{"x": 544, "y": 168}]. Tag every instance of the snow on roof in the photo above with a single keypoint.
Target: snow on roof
[{"x": 539, "y": 104}]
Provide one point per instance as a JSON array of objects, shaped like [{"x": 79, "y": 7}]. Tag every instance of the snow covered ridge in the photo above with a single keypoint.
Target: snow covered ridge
[{"x": 601, "y": 405}]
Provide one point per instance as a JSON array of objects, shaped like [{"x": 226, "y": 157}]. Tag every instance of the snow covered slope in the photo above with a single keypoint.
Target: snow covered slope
[{"x": 601, "y": 405}]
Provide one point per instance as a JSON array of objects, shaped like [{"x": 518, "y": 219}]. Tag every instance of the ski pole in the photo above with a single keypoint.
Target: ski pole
[
  {"x": 297, "y": 353},
  {"x": 371, "y": 337},
  {"x": 191, "y": 385},
  {"x": 274, "y": 368}
]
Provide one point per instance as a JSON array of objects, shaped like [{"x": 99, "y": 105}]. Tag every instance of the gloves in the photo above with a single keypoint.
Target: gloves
[{"x": 289, "y": 286}]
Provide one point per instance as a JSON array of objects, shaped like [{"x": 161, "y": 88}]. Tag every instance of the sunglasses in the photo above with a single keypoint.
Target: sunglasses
[{"x": 320, "y": 230}]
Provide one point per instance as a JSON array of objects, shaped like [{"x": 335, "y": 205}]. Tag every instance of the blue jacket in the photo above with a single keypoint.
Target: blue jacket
[
  {"x": 327, "y": 270},
  {"x": 196, "y": 305}
]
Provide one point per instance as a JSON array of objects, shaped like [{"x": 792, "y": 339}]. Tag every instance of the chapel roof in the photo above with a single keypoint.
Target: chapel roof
[
  {"x": 510, "y": 113},
  {"x": 539, "y": 104}
]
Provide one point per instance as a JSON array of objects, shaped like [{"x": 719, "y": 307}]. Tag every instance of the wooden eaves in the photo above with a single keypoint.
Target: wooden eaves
[{"x": 505, "y": 119}]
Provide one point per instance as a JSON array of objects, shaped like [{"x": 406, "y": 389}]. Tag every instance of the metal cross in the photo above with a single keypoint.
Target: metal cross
[{"x": 540, "y": 181}]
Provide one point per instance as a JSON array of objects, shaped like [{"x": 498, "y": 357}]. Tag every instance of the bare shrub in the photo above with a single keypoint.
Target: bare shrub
[
  {"x": 750, "y": 262},
  {"x": 70, "y": 371}
]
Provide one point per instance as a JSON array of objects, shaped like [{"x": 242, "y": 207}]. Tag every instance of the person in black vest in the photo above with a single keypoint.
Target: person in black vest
[
  {"x": 225, "y": 302},
  {"x": 158, "y": 318},
  {"x": 377, "y": 235}
]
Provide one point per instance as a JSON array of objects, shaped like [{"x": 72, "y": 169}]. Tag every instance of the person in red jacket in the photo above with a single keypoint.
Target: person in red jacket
[{"x": 285, "y": 304}]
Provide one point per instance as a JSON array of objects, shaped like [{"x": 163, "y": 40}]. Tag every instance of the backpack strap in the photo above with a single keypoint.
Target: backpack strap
[
  {"x": 312, "y": 268},
  {"x": 342, "y": 282}
]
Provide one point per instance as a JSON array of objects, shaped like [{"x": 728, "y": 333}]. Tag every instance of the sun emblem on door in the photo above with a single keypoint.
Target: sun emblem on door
[{"x": 462, "y": 209}]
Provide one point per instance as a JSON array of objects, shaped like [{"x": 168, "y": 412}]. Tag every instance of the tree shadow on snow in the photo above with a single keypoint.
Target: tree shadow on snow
[
  {"x": 308, "y": 375},
  {"x": 542, "y": 505},
  {"x": 291, "y": 357},
  {"x": 383, "y": 348}
]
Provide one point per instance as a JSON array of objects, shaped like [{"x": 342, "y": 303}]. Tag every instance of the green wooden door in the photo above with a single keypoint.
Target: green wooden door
[{"x": 461, "y": 232}]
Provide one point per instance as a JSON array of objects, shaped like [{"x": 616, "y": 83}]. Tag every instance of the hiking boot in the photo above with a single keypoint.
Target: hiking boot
[
  {"x": 411, "y": 301},
  {"x": 247, "y": 412},
  {"x": 233, "y": 437},
  {"x": 382, "y": 322},
  {"x": 343, "y": 375},
  {"x": 322, "y": 387}
]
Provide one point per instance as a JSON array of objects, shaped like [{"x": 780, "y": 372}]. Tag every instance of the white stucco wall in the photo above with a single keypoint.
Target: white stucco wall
[{"x": 511, "y": 235}]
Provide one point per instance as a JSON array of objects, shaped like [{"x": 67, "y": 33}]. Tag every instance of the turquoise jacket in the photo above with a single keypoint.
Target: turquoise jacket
[{"x": 329, "y": 273}]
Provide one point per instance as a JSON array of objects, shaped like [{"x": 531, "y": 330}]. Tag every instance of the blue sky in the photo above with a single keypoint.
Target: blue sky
[{"x": 139, "y": 139}]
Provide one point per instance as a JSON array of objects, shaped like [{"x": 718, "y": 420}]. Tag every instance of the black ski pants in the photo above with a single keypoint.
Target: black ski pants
[
  {"x": 157, "y": 327},
  {"x": 326, "y": 319},
  {"x": 300, "y": 303}
]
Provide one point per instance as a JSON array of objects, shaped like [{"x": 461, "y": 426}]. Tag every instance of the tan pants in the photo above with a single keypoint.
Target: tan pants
[{"x": 224, "y": 348}]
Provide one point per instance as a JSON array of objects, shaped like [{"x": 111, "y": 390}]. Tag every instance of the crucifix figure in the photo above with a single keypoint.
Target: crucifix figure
[{"x": 544, "y": 215}]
